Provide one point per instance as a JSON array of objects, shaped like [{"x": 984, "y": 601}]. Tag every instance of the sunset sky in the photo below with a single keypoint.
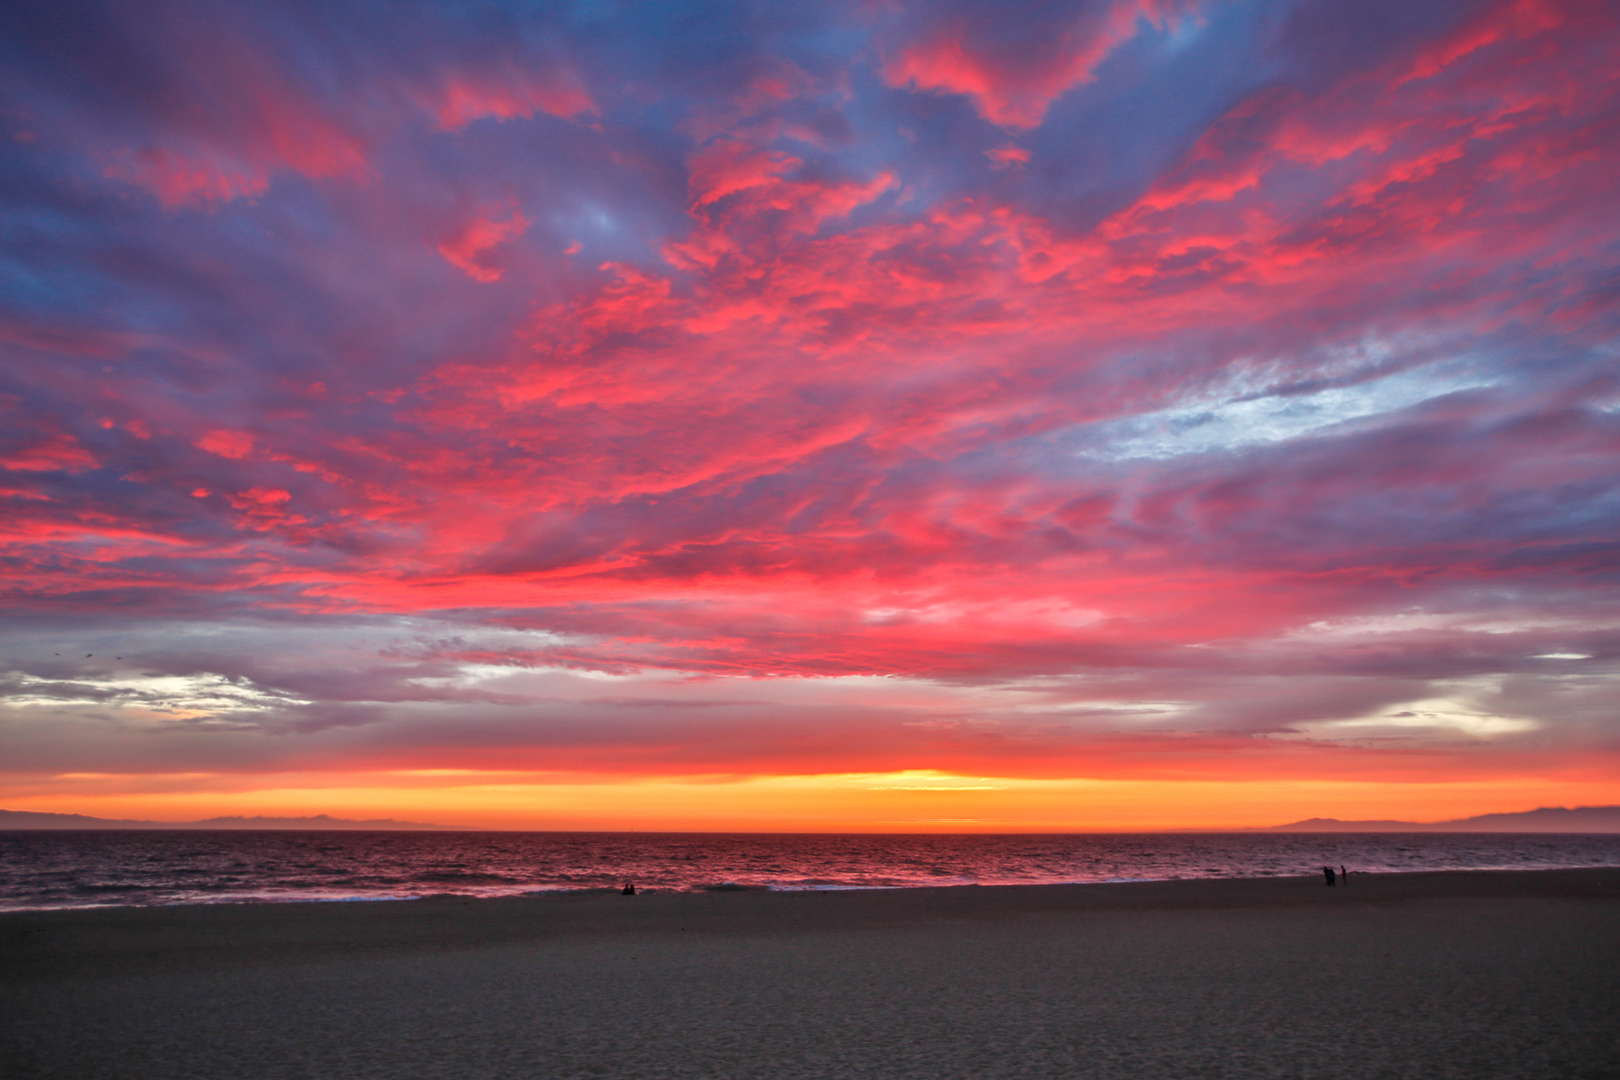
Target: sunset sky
[{"x": 876, "y": 415}]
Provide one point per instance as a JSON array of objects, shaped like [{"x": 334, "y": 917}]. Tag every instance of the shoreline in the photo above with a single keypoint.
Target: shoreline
[{"x": 727, "y": 887}]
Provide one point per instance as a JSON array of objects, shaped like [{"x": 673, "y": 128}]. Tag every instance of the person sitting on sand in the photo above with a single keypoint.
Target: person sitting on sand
[
  {"x": 629, "y": 889},
  {"x": 1327, "y": 871}
]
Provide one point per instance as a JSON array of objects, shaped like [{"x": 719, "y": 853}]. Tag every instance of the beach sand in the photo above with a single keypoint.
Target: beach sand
[{"x": 1469, "y": 975}]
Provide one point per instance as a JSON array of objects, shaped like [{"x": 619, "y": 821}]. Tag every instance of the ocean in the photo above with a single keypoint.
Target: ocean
[{"x": 52, "y": 869}]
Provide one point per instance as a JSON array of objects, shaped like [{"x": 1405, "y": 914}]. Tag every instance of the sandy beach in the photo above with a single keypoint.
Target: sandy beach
[{"x": 1487, "y": 974}]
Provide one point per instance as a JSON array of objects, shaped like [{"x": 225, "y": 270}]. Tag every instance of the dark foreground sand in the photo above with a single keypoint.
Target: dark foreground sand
[{"x": 1469, "y": 975}]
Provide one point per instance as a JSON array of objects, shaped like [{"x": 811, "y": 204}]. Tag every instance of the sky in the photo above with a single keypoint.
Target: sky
[{"x": 868, "y": 415}]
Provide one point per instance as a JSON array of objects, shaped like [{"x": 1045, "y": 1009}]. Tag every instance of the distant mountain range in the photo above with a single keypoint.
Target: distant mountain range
[
  {"x": 1549, "y": 819},
  {"x": 33, "y": 819}
]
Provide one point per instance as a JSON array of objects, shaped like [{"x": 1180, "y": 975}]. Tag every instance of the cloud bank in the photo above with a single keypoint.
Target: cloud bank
[{"x": 1131, "y": 389}]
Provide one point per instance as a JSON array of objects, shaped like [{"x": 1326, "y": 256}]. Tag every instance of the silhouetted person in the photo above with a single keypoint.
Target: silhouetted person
[
  {"x": 1344, "y": 876},
  {"x": 629, "y": 889},
  {"x": 1327, "y": 871}
]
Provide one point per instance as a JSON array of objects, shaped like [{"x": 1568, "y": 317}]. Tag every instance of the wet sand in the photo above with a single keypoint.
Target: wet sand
[{"x": 1469, "y": 975}]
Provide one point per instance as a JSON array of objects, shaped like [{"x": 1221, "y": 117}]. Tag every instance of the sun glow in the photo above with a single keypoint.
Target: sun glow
[{"x": 905, "y": 801}]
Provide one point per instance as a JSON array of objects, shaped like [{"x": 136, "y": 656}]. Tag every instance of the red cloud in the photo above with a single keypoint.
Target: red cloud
[
  {"x": 55, "y": 452},
  {"x": 1005, "y": 157},
  {"x": 275, "y": 136},
  {"x": 788, "y": 347},
  {"x": 237, "y": 119},
  {"x": 471, "y": 248},
  {"x": 1014, "y": 83},
  {"x": 202, "y": 176},
  {"x": 1519, "y": 19},
  {"x": 841, "y": 432},
  {"x": 36, "y": 444},
  {"x": 728, "y": 166},
  {"x": 227, "y": 444},
  {"x": 265, "y": 509},
  {"x": 243, "y": 118},
  {"x": 505, "y": 93}
]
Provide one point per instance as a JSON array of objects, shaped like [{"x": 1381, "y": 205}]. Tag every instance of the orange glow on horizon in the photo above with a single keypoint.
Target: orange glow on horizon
[{"x": 902, "y": 802}]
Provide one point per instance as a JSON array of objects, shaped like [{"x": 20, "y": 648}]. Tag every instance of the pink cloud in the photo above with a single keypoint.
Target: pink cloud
[
  {"x": 204, "y": 173},
  {"x": 265, "y": 509},
  {"x": 832, "y": 423},
  {"x": 728, "y": 166},
  {"x": 241, "y": 120},
  {"x": 1519, "y": 19},
  {"x": 250, "y": 119},
  {"x": 504, "y": 92},
  {"x": 1014, "y": 84},
  {"x": 471, "y": 248},
  {"x": 57, "y": 451},
  {"x": 722, "y": 378},
  {"x": 179, "y": 179},
  {"x": 227, "y": 444},
  {"x": 744, "y": 194},
  {"x": 1006, "y": 157}
]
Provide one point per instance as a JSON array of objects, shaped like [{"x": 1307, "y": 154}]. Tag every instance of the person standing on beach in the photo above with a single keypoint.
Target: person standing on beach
[
  {"x": 1344, "y": 876},
  {"x": 1327, "y": 872}
]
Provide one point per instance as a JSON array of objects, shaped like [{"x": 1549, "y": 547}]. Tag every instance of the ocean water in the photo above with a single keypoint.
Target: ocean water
[{"x": 49, "y": 869}]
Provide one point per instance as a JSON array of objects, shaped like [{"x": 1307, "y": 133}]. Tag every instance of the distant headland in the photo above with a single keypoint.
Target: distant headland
[
  {"x": 33, "y": 819},
  {"x": 1549, "y": 819}
]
